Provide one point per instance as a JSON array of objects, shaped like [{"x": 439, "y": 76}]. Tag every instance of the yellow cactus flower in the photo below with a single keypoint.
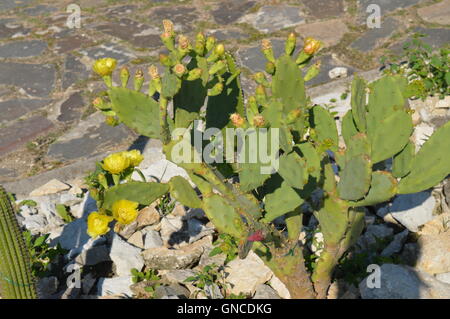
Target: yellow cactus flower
[
  {"x": 311, "y": 46},
  {"x": 116, "y": 163},
  {"x": 135, "y": 157},
  {"x": 105, "y": 66},
  {"x": 125, "y": 211},
  {"x": 98, "y": 224}
]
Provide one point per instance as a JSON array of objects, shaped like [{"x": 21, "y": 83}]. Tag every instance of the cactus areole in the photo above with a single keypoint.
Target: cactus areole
[{"x": 241, "y": 198}]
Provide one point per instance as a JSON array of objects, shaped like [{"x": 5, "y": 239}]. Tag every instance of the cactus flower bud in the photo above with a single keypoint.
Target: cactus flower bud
[
  {"x": 261, "y": 79},
  {"x": 168, "y": 26},
  {"x": 105, "y": 67},
  {"x": 217, "y": 67},
  {"x": 98, "y": 103},
  {"x": 179, "y": 69},
  {"x": 153, "y": 72},
  {"x": 184, "y": 46},
  {"x": 313, "y": 71},
  {"x": 290, "y": 43},
  {"x": 219, "y": 49},
  {"x": 138, "y": 80},
  {"x": 124, "y": 76},
  {"x": 259, "y": 121},
  {"x": 237, "y": 120},
  {"x": 270, "y": 68},
  {"x": 260, "y": 94},
  {"x": 267, "y": 50},
  {"x": 311, "y": 46},
  {"x": 253, "y": 104},
  {"x": 194, "y": 74},
  {"x": 111, "y": 121},
  {"x": 102, "y": 180},
  {"x": 216, "y": 89},
  {"x": 165, "y": 60},
  {"x": 200, "y": 42},
  {"x": 210, "y": 43},
  {"x": 256, "y": 236}
]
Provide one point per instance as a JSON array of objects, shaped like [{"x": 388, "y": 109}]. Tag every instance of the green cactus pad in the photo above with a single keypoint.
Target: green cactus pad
[
  {"x": 312, "y": 158},
  {"x": 250, "y": 176},
  {"x": 401, "y": 165},
  {"x": 224, "y": 216},
  {"x": 136, "y": 110},
  {"x": 325, "y": 127},
  {"x": 358, "y": 102},
  {"x": 390, "y": 135},
  {"x": 288, "y": 84},
  {"x": 283, "y": 200},
  {"x": 355, "y": 178},
  {"x": 140, "y": 192},
  {"x": 333, "y": 219},
  {"x": 183, "y": 192},
  {"x": 170, "y": 85},
  {"x": 431, "y": 164},
  {"x": 382, "y": 188},
  {"x": 348, "y": 127},
  {"x": 293, "y": 169}
]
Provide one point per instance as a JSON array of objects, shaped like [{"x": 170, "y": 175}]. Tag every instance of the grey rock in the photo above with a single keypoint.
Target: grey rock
[
  {"x": 87, "y": 283},
  {"x": 371, "y": 39},
  {"x": 178, "y": 276},
  {"x": 434, "y": 253},
  {"x": 71, "y": 108},
  {"x": 395, "y": 245},
  {"x": 152, "y": 239},
  {"x": 185, "y": 257},
  {"x": 265, "y": 292},
  {"x": 15, "y": 108},
  {"x": 36, "y": 79},
  {"x": 445, "y": 278},
  {"x": 112, "y": 50},
  {"x": 47, "y": 286},
  {"x": 409, "y": 254},
  {"x": 273, "y": 18},
  {"x": 11, "y": 4},
  {"x": 93, "y": 256},
  {"x": 22, "y": 49},
  {"x": 386, "y": 5},
  {"x": 328, "y": 63},
  {"x": 228, "y": 34},
  {"x": 129, "y": 230},
  {"x": 74, "y": 71},
  {"x": 183, "y": 17},
  {"x": 114, "y": 286},
  {"x": 413, "y": 210},
  {"x": 212, "y": 292},
  {"x": 402, "y": 282},
  {"x": 39, "y": 10},
  {"x": 372, "y": 234},
  {"x": 324, "y": 8},
  {"x": 229, "y": 11},
  {"x": 252, "y": 57},
  {"x": 35, "y": 224},
  {"x": 173, "y": 291},
  {"x": 125, "y": 256},
  {"x": 74, "y": 235},
  {"x": 206, "y": 260}
]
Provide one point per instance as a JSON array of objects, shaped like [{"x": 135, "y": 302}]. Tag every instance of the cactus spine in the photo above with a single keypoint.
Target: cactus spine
[{"x": 16, "y": 279}]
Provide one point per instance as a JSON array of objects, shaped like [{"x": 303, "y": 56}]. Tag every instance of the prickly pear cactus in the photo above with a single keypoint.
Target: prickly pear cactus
[
  {"x": 16, "y": 279},
  {"x": 201, "y": 81}
]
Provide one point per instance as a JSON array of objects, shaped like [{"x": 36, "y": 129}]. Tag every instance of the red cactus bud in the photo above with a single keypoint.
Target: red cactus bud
[{"x": 256, "y": 236}]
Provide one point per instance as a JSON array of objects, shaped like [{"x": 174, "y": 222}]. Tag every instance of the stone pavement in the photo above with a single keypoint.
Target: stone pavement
[{"x": 46, "y": 84}]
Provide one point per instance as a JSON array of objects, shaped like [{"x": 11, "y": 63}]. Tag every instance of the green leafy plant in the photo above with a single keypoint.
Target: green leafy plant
[
  {"x": 149, "y": 275},
  {"x": 428, "y": 72},
  {"x": 64, "y": 213},
  {"x": 41, "y": 254},
  {"x": 227, "y": 245},
  {"x": 201, "y": 81}
]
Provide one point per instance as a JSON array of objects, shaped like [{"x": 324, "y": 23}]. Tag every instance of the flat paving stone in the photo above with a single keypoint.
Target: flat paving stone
[
  {"x": 328, "y": 63},
  {"x": 89, "y": 138},
  {"x": 23, "y": 49},
  {"x": 12, "y": 4},
  {"x": 10, "y": 30},
  {"x": 372, "y": 38},
  {"x": 322, "y": 9},
  {"x": 228, "y": 34},
  {"x": 74, "y": 71},
  {"x": 36, "y": 79},
  {"x": 109, "y": 50},
  {"x": 273, "y": 18},
  {"x": 20, "y": 132},
  {"x": 70, "y": 108},
  {"x": 436, "y": 13},
  {"x": 252, "y": 57},
  {"x": 182, "y": 17},
  {"x": 138, "y": 34},
  {"x": 330, "y": 32},
  {"x": 71, "y": 43},
  {"x": 39, "y": 10},
  {"x": 386, "y": 6},
  {"x": 231, "y": 10},
  {"x": 13, "y": 109},
  {"x": 121, "y": 10},
  {"x": 436, "y": 38}
]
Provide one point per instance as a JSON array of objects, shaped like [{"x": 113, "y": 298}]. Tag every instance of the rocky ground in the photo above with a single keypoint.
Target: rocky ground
[{"x": 49, "y": 130}]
